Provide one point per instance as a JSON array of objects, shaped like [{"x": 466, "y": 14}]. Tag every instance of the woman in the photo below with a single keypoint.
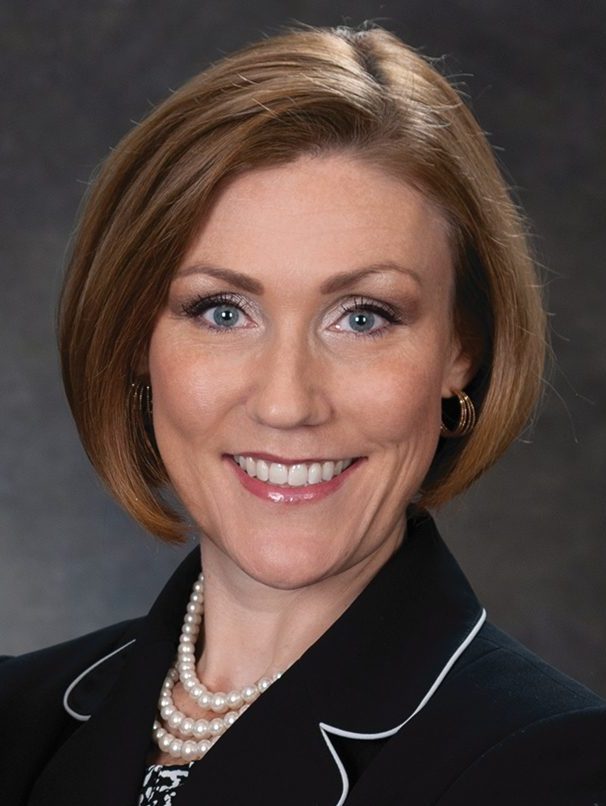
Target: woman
[{"x": 300, "y": 312}]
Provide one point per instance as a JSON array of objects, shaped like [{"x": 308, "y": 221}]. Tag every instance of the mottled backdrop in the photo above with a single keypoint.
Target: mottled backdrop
[{"x": 76, "y": 75}]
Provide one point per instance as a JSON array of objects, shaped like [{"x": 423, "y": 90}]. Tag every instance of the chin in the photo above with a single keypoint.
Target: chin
[{"x": 290, "y": 567}]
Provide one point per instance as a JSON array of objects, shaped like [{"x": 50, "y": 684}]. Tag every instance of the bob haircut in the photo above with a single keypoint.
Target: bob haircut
[{"x": 308, "y": 91}]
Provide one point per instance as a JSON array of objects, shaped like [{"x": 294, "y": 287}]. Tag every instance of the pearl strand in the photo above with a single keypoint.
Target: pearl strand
[{"x": 197, "y": 736}]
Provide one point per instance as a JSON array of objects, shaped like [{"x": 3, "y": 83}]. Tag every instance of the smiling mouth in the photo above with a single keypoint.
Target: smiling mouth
[{"x": 301, "y": 474}]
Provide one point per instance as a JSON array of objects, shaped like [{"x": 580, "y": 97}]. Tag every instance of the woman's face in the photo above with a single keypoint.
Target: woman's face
[{"x": 309, "y": 324}]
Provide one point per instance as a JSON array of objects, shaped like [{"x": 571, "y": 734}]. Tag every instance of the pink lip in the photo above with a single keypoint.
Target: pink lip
[{"x": 278, "y": 494}]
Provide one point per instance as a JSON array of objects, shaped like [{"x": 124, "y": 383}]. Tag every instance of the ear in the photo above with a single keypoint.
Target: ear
[{"x": 458, "y": 370}]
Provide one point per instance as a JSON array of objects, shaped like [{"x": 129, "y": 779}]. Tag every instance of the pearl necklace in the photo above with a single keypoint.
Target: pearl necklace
[{"x": 195, "y": 737}]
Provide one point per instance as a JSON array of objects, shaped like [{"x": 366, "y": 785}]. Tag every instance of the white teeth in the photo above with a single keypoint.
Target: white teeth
[
  {"x": 328, "y": 471},
  {"x": 297, "y": 475},
  {"x": 278, "y": 474},
  {"x": 314, "y": 474}
]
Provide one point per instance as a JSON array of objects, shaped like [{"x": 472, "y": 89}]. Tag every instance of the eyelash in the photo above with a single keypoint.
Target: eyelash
[{"x": 200, "y": 305}]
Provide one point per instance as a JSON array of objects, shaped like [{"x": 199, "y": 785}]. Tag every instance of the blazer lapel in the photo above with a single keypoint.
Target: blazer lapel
[{"x": 274, "y": 754}]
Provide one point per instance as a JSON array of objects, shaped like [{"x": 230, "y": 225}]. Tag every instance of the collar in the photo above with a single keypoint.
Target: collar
[{"x": 370, "y": 673}]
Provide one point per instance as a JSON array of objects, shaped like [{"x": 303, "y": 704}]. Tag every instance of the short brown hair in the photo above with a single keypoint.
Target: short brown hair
[{"x": 305, "y": 91}]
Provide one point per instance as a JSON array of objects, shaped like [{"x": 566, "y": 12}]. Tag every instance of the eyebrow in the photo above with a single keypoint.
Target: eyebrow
[{"x": 337, "y": 282}]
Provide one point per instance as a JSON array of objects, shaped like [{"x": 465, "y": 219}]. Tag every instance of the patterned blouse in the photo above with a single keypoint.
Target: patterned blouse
[{"x": 160, "y": 783}]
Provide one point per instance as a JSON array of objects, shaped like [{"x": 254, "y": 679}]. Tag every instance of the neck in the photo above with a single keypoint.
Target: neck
[{"x": 252, "y": 630}]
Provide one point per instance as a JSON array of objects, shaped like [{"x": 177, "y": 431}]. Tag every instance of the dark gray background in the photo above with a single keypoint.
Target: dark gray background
[{"x": 75, "y": 75}]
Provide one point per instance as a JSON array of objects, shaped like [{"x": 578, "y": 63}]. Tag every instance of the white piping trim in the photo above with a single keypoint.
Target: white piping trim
[
  {"x": 74, "y": 683},
  {"x": 348, "y": 734}
]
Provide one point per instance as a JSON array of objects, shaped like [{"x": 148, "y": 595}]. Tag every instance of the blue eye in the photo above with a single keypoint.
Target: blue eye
[
  {"x": 362, "y": 322},
  {"x": 225, "y": 315},
  {"x": 366, "y": 317}
]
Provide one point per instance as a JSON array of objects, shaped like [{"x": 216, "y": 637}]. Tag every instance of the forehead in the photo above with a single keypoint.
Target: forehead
[{"x": 319, "y": 215}]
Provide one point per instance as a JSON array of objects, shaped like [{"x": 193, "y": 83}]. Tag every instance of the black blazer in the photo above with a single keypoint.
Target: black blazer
[{"x": 409, "y": 699}]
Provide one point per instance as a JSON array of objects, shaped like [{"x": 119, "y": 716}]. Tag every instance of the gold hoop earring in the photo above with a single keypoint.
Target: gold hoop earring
[
  {"x": 141, "y": 417},
  {"x": 467, "y": 417},
  {"x": 142, "y": 425},
  {"x": 141, "y": 396}
]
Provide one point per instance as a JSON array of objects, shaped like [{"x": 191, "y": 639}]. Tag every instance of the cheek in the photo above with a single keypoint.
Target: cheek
[
  {"x": 190, "y": 393},
  {"x": 399, "y": 400}
]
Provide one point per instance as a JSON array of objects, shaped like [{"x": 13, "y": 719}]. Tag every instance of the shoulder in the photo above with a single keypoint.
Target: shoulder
[
  {"x": 535, "y": 735},
  {"x": 44, "y": 697},
  {"x": 503, "y": 727},
  {"x": 59, "y": 665},
  {"x": 498, "y": 669}
]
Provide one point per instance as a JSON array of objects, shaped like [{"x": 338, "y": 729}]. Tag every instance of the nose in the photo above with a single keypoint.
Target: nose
[{"x": 289, "y": 388}]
